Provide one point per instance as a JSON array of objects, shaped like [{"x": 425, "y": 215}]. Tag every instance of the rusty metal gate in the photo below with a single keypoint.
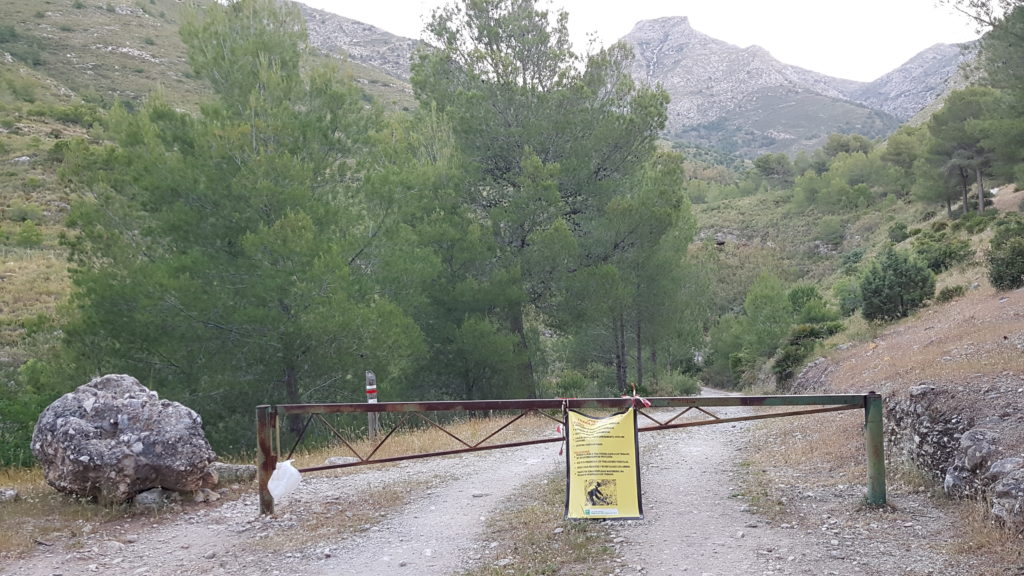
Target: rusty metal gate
[{"x": 269, "y": 443}]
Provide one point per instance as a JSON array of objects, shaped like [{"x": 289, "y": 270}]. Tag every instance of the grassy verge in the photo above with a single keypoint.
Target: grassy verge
[
  {"x": 532, "y": 538},
  {"x": 40, "y": 516}
]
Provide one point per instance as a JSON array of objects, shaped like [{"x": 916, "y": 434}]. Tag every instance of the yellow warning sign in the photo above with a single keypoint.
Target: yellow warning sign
[{"x": 602, "y": 463}]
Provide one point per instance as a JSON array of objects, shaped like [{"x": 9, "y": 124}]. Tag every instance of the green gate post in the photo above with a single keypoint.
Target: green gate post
[
  {"x": 266, "y": 422},
  {"x": 875, "y": 449}
]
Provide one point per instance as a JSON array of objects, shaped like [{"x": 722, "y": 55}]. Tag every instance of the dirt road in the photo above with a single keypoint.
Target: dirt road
[{"x": 697, "y": 522}]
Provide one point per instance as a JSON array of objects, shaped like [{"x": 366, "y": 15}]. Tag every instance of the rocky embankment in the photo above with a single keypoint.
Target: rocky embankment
[
  {"x": 934, "y": 427},
  {"x": 953, "y": 382}
]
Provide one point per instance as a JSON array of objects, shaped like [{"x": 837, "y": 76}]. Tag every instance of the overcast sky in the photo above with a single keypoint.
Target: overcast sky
[{"x": 856, "y": 40}]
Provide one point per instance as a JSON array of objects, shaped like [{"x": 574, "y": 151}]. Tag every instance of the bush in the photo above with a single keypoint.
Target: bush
[
  {"x": 850, "y": 260},
  {"x": 803, "y": 333},
  {"x": 898, "y": 232},
  {"x": 84, "y": 115},
  {"x": 799, "y": 346},
  {"x": 789, "y": 359},
  {"x": 673, "y": 383},
  {"x": 894, "y": 285},
  {"x": 950, "y": 292},
  {"x": 1006, "y": 264},
  {"x": 22, "y": 212},
  {"x": 975, "y": 223},
  {"x": 1006, "y": 254},
  {"x": 941, "y": 251},
  {"x": 831, "y": 231},
  {"x": 570, "y": 384},
  {"x": 58, "y": 151},
  {"x": 847, "y": 292},
  {"x": 29, "y": 235}
]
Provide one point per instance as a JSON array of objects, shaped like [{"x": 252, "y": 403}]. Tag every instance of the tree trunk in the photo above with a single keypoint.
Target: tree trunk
[
  {"x": 620, "y": 353},
  {"x": 639, "y": 356},
  {"x": 654, "y": 365},
  {"x": 291, "y": 391},
  {"x": 981, "y": 190},
  {"x": 949, "y": 208},
  {"x": 966, "y": 188},
  {"x": 518, "y": 326}
]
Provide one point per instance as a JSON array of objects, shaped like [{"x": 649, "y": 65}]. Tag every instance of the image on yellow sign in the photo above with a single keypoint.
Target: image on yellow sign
[{"x": 602, "y": 464}]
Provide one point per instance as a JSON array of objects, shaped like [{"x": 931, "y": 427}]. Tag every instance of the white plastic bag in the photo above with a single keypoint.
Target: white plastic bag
[{"x": 284, "y": 479}]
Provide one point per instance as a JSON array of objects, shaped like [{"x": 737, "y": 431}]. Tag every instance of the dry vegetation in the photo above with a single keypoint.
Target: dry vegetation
[
  {"x": 974, "y": 347},
  {"x": 535, "y": 539},
  {"x": 41, "y": 515}
]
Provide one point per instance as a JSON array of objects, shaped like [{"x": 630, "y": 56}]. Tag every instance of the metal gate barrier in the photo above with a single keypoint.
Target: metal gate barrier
[{"x": 269, "y": 443}]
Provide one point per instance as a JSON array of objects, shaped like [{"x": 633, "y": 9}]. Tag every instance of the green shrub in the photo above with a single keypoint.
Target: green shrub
[
  {"x": 23, "y": 212},
  {"x": 847, "y": 292},
  {"x": 672, "y": 383},
  {"x": 950, "y": 292},
  {"x": 1006, "y": 254},
  {"x": 29, "y": 235},
  {"x": 78, "y": 5},
  {"x": 803, "y": 333},
  {"x": 894, "y": 285},
  {"x": 23, "y": 88},
  {"x": 975, "y": 223},
  {"x": 898, "y": 233},
  {"x": 941, "y": 251},
  {"x": 1006, "y": 264},
  {"x": 831, "y": 230},
  {"x": 8, "y": 34},
  {"x": 788, "y": 360},
  {"x": 570, "y": 384},
  {"x": 58, "y": 151}
]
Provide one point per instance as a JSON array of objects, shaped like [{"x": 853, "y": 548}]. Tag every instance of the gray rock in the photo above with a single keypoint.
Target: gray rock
[
  {"x": 921, "y": 429},
  {"x": 226, "y": 474},
  {"x": 205, "y": 495},
  {"x": 999, "y": 469},
  {"x": 1008, "y": 499},
  {"x": 921, "y": 390},
  {"x": 977, "y": 450},
  {"x": 958, "y": 482},
  {"x": 978, "y": 447},
  {"x": 113, "y": 438},
  {"x": 8, "y": 495},
  {"x": 155, "y": 499}
]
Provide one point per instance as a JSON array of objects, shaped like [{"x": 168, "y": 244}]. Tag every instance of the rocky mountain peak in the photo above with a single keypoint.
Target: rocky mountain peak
[
  {"x": 360, "y": 42},
  {"x": 920, "y": 81}
]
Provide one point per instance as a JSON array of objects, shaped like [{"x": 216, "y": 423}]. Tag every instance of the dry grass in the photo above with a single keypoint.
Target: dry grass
[
  {"x": 980, "y": 536},
  {"x": 817, "y": 450},
  {"x": 534, "y": 539},
  {"x": 415, "y": 438},
  {"x": 41, "y": 516},
  {"x": 972, "y": 335}
]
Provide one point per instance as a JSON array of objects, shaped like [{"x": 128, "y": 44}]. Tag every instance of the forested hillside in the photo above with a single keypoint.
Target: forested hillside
[{"x": 262, "y": 229}]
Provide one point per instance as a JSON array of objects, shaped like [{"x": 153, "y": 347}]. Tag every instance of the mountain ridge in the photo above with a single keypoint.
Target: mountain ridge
[{"x": 740, "y": 100}]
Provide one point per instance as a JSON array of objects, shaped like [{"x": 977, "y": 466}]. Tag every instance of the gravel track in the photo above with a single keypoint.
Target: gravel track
[{"x": 695, "y": 522}]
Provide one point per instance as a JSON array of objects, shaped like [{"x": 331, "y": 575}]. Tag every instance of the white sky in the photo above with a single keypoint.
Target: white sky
[{"x": 856, "y": 40}]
